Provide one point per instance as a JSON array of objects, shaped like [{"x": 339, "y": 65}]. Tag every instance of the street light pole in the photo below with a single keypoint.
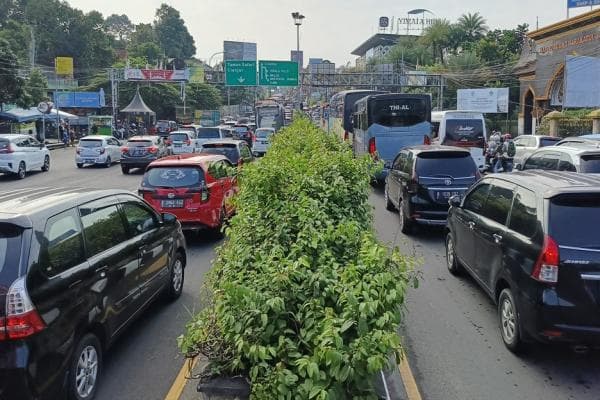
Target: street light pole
[{"x": 298, "y": 21}]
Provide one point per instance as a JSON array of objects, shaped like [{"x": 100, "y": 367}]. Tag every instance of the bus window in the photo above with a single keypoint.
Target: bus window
[
  {"x": 399, "y": 112},
  {"x": 464, "y": 132}
]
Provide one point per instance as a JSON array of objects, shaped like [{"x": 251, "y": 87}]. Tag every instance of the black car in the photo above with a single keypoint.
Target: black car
[
  {"x": 530, "y": 241},
  {"x": 581, "y": 157},
  {"x": 76, "y": 267},
  {"x": 139, "y": 151},
  {"x": 423, "y": 178},
  {"x": 242, "y": 132},
  {"x": 237, "y": 151}
]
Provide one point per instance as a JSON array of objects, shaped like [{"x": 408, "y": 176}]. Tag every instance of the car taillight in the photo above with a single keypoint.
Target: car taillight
[
  {"x": 152, "y": 149},
  {"x": 346, "y": 136},
  {"x": 372, "y": 147},
  {"x": 22, "y": 319},
  {"x": 102, "y": 150},
  {"x": 546, "y": 267},
  {"x": 78, "y": 150},
  {"x": 124, "y": 150},
  {"x": 426, "y": 139},
  {"x": 168, "y": 142},
  {"x": 254, "y": 138},
  {"x": 413, "y": 185},
  {"x": 188, "y": 142},
  {"x": 143, "y": 191},
  {"x": 8, "y": 149}
]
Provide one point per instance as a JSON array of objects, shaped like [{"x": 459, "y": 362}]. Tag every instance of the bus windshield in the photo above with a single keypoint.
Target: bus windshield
[
  {"x": 464, "y": 133},
  {"x": 400, "y": 112}
]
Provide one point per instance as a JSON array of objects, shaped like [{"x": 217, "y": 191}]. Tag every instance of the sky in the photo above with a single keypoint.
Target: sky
[{"x": 331, "y": 29}]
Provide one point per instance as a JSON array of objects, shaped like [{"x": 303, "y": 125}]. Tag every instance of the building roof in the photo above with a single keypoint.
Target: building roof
[
  {"x": 378, "y": 39},
  {"x": 137, "y": 105},
  {"x": 566, "y": 25}
]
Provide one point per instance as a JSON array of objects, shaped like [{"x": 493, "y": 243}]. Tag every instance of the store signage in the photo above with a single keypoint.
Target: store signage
[
  {"x": 582, "y": 3},
  {"x": 545, "y": 49},
  {"x": 168, "y": 75}
]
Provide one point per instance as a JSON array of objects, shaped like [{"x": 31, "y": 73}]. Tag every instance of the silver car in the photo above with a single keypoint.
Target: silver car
[
  {"x": 262, "y": 141},
  {"x": 97, "y": 150}
]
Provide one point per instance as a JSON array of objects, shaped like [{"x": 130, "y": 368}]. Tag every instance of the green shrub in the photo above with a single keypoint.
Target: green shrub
[{"x": 305, "y": 301}]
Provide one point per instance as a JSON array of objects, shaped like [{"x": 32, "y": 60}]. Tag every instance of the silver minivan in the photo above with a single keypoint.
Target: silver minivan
[{"x": 262, "y": 141}]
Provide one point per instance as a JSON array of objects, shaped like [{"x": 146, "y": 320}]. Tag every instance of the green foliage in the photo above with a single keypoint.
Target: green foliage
[
  {"x": 573, "y": 123},
  {"x": 305, "y": 301},
  {"x": 172, "y": 34},
  {"x": 203, "y": 97},
  {"x": 12, "y": 86},
  {"x": 36, "y": 87},
  {"x": 119, "y": 26}
]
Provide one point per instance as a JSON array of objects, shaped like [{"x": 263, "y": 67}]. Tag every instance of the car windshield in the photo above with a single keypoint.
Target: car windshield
[
  {"x": 574, "y": 220},
  {"x": 590, "y": 164},
  {"x": 139, "y": 143},
  {"x": 464, "y": 132},
  {"x": 173, "y": 177},
  {"x": 179, "y": 137},
  {"x": 401, "y": 112},
  {"x": 228, "y": 150},
  {"x": 90, "y": 143},
  {"x": 548, "y": 141},
  {"x": 458, "y": 164},
  {"x": 208, "y": 133},
  {"x": 10, "y": 254},
  {"x": 263, "y": 133},
  {"x": 240, "y": 129},
  {"x": 162, "y": 124}
]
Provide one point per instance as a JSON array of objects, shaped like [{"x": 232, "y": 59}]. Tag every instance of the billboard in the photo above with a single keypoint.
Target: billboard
[
  {"x": 582, "y": 86},
  {"x": 488, "y": 100},
  {"x": 168, "y": 75},
  {"x": 63, "y": 66},
  {"x": 79, "y": 99},
  {"x": 239, "y": 51},
  {"x": 582, "y": 3}
]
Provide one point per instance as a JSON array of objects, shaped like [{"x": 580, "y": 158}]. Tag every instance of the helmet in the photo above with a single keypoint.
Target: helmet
[{"x": 507, "y": 136}]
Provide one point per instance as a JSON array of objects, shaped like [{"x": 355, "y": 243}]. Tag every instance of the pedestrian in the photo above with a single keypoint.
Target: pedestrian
[
  {"x": 72, "y": 136},
  {"x": 94, "y": 129}
]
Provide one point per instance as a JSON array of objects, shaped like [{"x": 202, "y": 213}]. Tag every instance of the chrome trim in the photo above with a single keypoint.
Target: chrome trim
[
  {"x": 438, "y": 222},
  {"x": 579, "y": 248},
  {"x": 447, "y": 177},
  {"x": 447, "y": 188},
  {"x": 590, "y": 277}
]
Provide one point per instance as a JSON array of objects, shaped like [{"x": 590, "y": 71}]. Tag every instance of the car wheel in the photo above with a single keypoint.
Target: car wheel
[
  {"x": 46, "y": 166},
  {"x": 108, "y": 162},
  {"x": 85, "y": 368},
  {"x": 388, "y": 204},
  {"x": 406, "y": 226},
  {"x": 79, "y": 165},
  {"x": 452, "y": 263},
  {"x": 176, "y": 278},
  {"x": 22, "y": 171},
  {"x": 510, "y": 326},
  {"x": 125, "y": 169}
]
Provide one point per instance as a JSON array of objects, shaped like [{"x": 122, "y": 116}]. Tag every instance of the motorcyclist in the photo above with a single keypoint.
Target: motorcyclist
[{"x": 492, "y": 148}]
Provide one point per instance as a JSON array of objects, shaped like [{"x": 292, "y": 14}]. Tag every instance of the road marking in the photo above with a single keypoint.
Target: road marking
[
  {"x": 410, "y": 385},
  {"x": 180, "y": 381}
]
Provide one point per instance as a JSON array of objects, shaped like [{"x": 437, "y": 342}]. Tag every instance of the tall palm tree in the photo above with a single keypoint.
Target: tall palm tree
[
  {"x": 474, "y": 25},
  {"x": 437, "y": 36}
]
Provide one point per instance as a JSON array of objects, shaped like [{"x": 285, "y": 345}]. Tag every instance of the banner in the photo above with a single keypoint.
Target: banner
[
  {"x": 197, "y": 74},
  {"x": 160, "y": 75},
  {"x": 489, "y": 100},
  {"x": 582, "y": 3},
  {"x": 582, "y": 86},
  {"x": 63, "y": 66},
  {"x": 78, "y": 99}
]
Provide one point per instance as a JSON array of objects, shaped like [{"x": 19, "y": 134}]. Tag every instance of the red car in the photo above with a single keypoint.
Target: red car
[{"x": 195, "y": 188}]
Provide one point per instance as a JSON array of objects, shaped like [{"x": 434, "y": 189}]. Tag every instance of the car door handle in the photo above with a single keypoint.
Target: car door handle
[
  {"x": 102, "y": 271},
  {"x": 471, "y": 225},
  {"x": 497, "y": 238}
]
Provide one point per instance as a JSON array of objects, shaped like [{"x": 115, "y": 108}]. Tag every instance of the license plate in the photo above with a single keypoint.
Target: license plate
[
  {"x": 89, "y": 161},
  {"x": 137, "y": 152},
  {"x": 177, "y": 144},
  {"x": 446, "y": 195},
  {"x": 172, "y": 203}
]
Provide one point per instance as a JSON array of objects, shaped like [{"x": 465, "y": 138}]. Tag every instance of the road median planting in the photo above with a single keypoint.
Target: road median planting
[{"x": 302, "y": 300}]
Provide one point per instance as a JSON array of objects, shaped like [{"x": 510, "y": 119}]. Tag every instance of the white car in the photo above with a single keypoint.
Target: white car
[
  {"x": 97, "y": 150},
  {"x": 262, "y": 141},
  {"x": 183, "y": 142},
  {"x": 22, "y": 153}
]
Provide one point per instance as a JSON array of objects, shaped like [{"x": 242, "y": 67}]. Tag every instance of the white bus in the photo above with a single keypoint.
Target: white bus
[{"x": 462, "y": 129}]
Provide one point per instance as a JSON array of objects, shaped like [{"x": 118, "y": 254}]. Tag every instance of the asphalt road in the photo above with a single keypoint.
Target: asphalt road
[
  {"x": 144, "y": 362},
  {"x": 453, "y": 341}
]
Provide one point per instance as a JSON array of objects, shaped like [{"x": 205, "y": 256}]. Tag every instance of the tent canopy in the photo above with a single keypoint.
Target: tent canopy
[
  {"x": 32, "y": 114},
  {"x": 137, "y": 105}
]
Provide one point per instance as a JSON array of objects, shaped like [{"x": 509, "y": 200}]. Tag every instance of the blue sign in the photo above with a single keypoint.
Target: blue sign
[
  {"x": 582, "y": 3},
  {"x": 78, "y": 99}
]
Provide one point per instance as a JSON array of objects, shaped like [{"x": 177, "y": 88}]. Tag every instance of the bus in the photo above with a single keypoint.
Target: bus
[
  {"x": 270, "y": 115},
  {"x": 462, "y": 129},
  {"x": 384, "y": 124},
  {"x": 341, "y": 107}
]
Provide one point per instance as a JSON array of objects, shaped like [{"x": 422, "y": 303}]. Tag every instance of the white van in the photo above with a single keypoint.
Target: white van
[{"x": 462, "y": 129}]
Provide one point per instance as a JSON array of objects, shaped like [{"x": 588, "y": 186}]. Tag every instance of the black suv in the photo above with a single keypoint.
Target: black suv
[
  {"x": 530, "y": 240},
  {"x": 139, "y": 151},
  {"x": 76, "y": 267},
  {"x": 237, "y": 151},
  {"x": 423, "y": 178}
]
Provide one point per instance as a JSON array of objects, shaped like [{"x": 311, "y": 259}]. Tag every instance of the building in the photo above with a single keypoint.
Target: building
[
  {"x": 377, "y": 46},
  {"x": 559, "y": 67}
]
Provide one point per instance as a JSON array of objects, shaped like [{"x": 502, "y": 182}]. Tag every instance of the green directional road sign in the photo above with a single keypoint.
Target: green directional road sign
[
  {"x": 278, "y": 73},
  {"x": 240, "y": 73}
]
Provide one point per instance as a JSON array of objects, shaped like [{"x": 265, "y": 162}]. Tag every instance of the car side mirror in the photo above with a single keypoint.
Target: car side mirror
[
  {"x": 168, "y": 218},
  {"x": 454, "y": 201},
  {"x": 519, "y": 167}
]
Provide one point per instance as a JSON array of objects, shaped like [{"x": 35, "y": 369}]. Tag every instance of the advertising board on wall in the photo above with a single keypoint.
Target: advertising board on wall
[
  {"x": 488, "y": 100},
  {"x": 168, "y": 75},
  {"x": 582, "y": 86},
  {"x": 241, "y": 51}
]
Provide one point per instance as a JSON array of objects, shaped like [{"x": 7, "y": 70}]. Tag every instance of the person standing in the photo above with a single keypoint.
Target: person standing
[
  {"x": 63, "y": 135},
  {"x": 72, "y": 136}
]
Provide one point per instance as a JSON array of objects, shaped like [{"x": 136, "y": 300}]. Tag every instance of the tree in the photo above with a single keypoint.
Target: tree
[
  {"x": 149, "y": 50},
  {"x": 36, "y": 87},
  {"x": 18, "y": 36},
  {"x": 172, "y": 34},
  {"x": 12, "y": 88},
  {"x": 437, "y": 37},
  {"x": 203, "y": 97},
  {"x": 119, "y": 26},
  {"x": 410, "y": 52},
  {"x": 473, "y": 25}
]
